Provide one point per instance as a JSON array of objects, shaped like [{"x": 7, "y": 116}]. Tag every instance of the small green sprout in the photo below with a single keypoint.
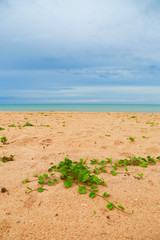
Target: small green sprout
[
  {"x": 140, "y": 175},
  {"x": 3, "y": 140},
  {"x": 28, "y": 124},
  {"x": 113, "y": 173},
  {"x": 11, "y": 125},
  {"x": 132, "y": 139}
]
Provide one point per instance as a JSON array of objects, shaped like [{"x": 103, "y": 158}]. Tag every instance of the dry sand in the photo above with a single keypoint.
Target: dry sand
[{"x": 61, "y": 213}]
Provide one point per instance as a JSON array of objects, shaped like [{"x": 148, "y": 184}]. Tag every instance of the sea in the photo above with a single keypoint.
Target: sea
[{"x": 137, "y": 108}]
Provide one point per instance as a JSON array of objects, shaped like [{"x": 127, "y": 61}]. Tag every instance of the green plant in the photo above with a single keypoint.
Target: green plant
[
  {"x": 12, "y": 125},
  {"x": 7, "y": 159},
  {"x": 1, "y": 128},
  {"x": 132, "y": 139},
  {"x": 74, "y": 173},
  {"x": 107, "y": 135},
  {"x": 28, "y": 124},
  {"x": 79, "y": 174},
  {"x": 3, "y": 140},
  {"x": 140, "y": 175},
  {"x": 152, "y": 123}
]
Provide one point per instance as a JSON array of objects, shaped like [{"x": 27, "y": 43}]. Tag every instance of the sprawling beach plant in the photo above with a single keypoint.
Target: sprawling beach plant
[
  {"x": 7, "y": 159},
  {"x": 85, "y": 177}
]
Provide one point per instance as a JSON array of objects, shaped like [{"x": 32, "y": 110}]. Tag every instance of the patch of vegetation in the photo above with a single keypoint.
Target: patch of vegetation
[
  {"x": 28, "y": 124},
  {"x": 1, "y": 128},
  {"x": 84, "y": 176},
  {"x": 143, "y": 136},
  {"x": 131, "y": 138},
  {"x": 107, "y": 135},
  {"x": 3, "y": 140},
  {"x": 152, "y": 123},
  {"x": 11, "y": 125},
  {"x": 140, "y": 175},
  {"x": 74, "y": 173},
  {"x": 7, "y": 159}
]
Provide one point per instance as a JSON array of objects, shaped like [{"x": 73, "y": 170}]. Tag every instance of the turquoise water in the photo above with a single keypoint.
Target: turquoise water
[{"x": 139, "y": 108}]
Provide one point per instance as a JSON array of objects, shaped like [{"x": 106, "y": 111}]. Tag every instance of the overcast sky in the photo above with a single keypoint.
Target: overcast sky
[{"x": 79, "y": 51}]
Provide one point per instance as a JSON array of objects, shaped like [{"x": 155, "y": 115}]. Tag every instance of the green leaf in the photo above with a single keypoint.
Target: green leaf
[
  {"x": 54, "y": 166},
  {"x": 143, "y": 164},
  {"x": 93, "y": 161},
  {"x": 92, "y": 194},
  {"x": 94, "y": 212},
  {"x": 52, "y": 174},
  {"x": 80, "y": 176},
  {"x": 45, "y": 175},
  {"x": 109, "y": 160},
  {"x": 29, "y": 188},
  {"x": 50, "y": 170},
  {"x": 41, "y": 181},
  {"x": 82, "y": 190},
  {"x": 85, "y": 177},
  {"x": 40, "y": 189},
  {"x": 121, "y": 207},
  {"x": 55, "y": 180},
  {"x": 115, "y": 166},
  {"x": 96, "y": 170},
  {"x": 36, "y": 175},
  {"x": 110, "y": 205},
  {"x": 81, "y": 160},
  {"x": 105, "y": 194},
  {"x": 50, "y": 182},
  {"x": 114, "y": 173},
  {"x": 89, "y": 183},
  {"x": 26, "y": 180},
  {"x": 68, "y": 183},
  {"x": 95, "y": 179},
  {"x": 158, "y": 157},
  {"x": 94, "y": 187}
]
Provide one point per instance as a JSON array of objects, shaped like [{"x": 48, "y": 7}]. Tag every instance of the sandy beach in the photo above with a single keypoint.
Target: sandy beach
[{"x": 64, "y": 214}]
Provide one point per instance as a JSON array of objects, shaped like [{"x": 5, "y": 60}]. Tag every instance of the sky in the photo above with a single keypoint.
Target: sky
[{"x": 80, "y": 51}]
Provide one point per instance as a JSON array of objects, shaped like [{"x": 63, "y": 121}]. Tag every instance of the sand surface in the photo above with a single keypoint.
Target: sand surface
[{"x": 61, "y": 213}]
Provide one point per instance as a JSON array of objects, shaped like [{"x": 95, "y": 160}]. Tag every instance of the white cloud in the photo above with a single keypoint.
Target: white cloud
[
  {"x": 63, "y": 27},
  {"x": 97, "y": 94}
]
